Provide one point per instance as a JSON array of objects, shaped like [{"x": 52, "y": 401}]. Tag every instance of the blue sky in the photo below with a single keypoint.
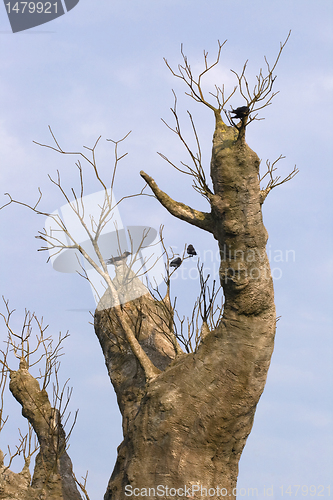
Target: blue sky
[{"x": 99, "y": 70}]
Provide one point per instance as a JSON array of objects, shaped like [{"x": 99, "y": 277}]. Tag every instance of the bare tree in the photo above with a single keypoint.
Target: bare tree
[
  {"x": 186, "y": 415},
  {"x": 53, "y": 477}
]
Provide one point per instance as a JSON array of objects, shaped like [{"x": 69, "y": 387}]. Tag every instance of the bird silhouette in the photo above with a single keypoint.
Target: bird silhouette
[
  {"x": 241, "y": 112},
  {"x": 118, "y": 259},
  {"x": 176, "y": 262},
  {"x": 191, "y": 250}
]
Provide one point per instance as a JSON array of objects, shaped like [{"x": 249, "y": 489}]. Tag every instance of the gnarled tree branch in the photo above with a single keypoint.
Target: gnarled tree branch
[{"x": 203, "y": 220}]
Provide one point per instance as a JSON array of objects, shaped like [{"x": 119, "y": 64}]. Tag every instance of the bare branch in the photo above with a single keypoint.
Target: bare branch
[
  {"x": 3, "y": 384},
  {"x": 55, "y": 245},
  {"x": 197, "y": 172},
  {"x": 178, "y": 209},
  {"x": 195, "y": 84},
  {"x": 261, "y": 95},
  {"x": 205, "y": 315},
  {"x": 82, "y": 485},
  {"x": 274, "y": 181},
  {"x": 117, "y": 159}
]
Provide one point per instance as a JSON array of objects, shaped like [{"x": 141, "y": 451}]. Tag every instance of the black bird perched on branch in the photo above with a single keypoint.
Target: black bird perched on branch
[
  {"x": 191, "y": 250},
  {"x": 176, "y": 262},
  {"x": 118, "y": 259},
  {"x": 241, "y": 112}
]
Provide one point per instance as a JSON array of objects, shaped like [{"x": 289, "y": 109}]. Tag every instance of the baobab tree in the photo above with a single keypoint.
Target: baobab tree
[
  {"x": 187, "y": 413},
  {"x": 190, "y": 423}
]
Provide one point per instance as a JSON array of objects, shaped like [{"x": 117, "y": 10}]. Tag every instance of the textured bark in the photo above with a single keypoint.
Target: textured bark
[
  {"x": 52, "y": 478},
  {"x": 15, "y": 486},
  {"x": 189, "y": 425}
]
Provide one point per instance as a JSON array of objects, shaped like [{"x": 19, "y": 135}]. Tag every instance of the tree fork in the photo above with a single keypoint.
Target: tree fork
[{"x": 192, "y": 420}]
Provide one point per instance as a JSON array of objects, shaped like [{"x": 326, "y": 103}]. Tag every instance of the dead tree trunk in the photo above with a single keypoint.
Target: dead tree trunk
[
  {"x": 53, "y": 477},
  {"x": 189, "y": 425},
  {"x": 186, "y": 417},
  {"x": 186, "y": 423}
]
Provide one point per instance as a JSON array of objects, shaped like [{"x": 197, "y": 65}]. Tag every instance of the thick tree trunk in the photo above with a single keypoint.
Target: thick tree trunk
[
  {"x": 189, "y": 425},
  {"x": 52, "y": 478}
]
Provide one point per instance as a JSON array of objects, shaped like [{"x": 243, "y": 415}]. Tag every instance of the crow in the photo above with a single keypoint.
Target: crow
[
  {"x": 118, "y": 259},
  {"x": 191, "y": 250},
  {"x": 241, "y": 112},
  {"x": 176, "y": 262}
]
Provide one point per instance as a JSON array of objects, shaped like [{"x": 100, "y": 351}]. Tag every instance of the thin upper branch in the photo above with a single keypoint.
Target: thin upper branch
[
  {"x": 274, "y": 181},
  {"x": 261, "y": 95},
  {"x": 196, "y": 171},
  {"x": 195, "y": 84}
]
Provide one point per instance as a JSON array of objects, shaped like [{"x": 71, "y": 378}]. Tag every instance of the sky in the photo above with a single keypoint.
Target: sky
[{"x": 99, "y": 71}]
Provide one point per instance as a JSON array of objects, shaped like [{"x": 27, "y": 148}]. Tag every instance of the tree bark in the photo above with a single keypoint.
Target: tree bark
[
  {"x": 52, "y": 478},
  {"x": 189, "y": 425}
]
